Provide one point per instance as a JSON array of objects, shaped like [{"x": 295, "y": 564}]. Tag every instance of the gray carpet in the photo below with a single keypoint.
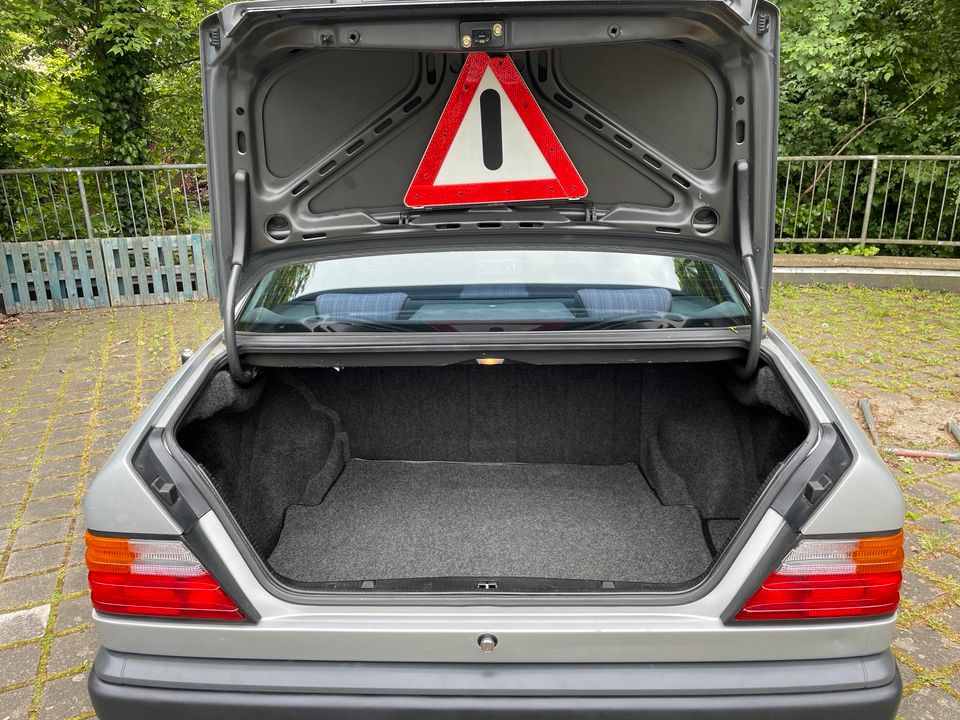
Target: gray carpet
[{"x": 387, "y": 519}]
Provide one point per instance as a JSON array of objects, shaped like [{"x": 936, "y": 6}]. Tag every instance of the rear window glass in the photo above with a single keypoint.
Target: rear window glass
[{"x": 494, "y": 291}]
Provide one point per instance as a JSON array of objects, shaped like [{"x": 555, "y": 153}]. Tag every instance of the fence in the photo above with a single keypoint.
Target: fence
[
  {"x": 869, "y": 200},
  {"x": 98, "y": 236}
]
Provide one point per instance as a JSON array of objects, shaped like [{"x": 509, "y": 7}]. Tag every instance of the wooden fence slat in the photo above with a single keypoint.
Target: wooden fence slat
[
  {"x": 198, "y": 265},
  {"x": 36, "y": 271},
  {"x": 27, "y": 304},
  {"x": 100, "y": 297},
  {"x": 110, "y": 247},
  {"x": 81, "y": 247},
  {"x": 65, "y": 249},
  {"x": 185, "y": 267},
  {"x": 210, "y": 263},
  {"x": 142, "y": 296},
  {"x": 8, "y": 289},
  {"x": 51, "y": 278},
  {"x": 167, "y": 246},
  {"x": 126, "y": 271},
  {"x": 156, "y": 272}
]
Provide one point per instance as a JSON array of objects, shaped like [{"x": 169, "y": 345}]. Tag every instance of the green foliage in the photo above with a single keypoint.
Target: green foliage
[
  {"x": 870, "y": 76},
  {"x": 110, "y": 81}
]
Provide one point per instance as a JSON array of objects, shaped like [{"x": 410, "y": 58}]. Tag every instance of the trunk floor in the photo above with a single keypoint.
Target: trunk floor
[{"x": 389, "y": 519}]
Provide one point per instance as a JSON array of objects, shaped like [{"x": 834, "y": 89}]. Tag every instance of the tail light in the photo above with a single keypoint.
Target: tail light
[
  {"x": 159, "y": 578},
  {"x": 832, "y": 578}
]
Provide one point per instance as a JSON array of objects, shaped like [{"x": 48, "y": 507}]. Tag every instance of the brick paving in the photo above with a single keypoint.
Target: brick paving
[{"x": 72, "y": 383}]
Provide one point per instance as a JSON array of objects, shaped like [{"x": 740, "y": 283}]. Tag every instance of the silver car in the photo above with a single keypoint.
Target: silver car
[{"x": 495, "y": 426}]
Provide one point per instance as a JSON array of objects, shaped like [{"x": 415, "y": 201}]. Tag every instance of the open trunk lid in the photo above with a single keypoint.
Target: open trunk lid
[{"x": 318, "y": 115}]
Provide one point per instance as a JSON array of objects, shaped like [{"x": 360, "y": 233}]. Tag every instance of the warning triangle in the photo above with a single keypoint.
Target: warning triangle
[{"x": 492, "y": 144}]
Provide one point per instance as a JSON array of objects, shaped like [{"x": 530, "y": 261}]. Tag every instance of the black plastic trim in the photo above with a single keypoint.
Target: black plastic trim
[
  {"x": 145, "y": 687},
  {"x": 153, "y": 460},
  {"x": 815, "y": 478}
]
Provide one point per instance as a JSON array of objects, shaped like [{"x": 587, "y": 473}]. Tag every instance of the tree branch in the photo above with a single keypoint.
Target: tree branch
[{"x": 857, "y": 132}]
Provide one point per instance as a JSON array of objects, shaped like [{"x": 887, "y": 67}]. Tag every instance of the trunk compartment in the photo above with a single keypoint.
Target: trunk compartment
[{"x": 547, "y": 477}]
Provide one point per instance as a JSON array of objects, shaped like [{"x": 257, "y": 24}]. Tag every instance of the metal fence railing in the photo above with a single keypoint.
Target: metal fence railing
[
  {"x": 869, "y": 200},
  {"x": 97, "y": 236},
  {"x": 863, "y": 199},
  {"x": 103, "y": 202}
]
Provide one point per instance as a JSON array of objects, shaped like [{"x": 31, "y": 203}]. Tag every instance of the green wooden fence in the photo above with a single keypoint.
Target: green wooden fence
[{"x": 73, "y": 274}]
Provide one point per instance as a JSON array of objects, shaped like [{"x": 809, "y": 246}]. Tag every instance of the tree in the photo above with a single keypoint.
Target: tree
[
  {"x": 870, "y": 76},
  {"x": 102, "y": 69}
]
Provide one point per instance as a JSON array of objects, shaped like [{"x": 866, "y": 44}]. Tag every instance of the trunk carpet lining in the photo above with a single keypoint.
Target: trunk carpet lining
[{"x": 392, "y": 519}]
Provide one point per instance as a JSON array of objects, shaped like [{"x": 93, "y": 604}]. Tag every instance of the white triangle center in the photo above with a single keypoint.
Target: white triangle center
[{"x": 522, "y": 159}]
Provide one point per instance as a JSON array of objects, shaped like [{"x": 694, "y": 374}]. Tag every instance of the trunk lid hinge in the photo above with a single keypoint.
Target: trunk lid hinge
[
  {"x": 241, "y": 240},
  {"x": 745, "y": 237}
]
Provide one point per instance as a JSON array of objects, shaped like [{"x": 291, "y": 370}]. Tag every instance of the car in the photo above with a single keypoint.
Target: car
[{"x": 495, "y": 426}]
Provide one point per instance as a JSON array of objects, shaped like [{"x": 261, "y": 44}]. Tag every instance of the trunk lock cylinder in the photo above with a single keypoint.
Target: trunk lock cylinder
[
  {"x": 482, "y": 35},
  {"x": 487, "y": 642}
]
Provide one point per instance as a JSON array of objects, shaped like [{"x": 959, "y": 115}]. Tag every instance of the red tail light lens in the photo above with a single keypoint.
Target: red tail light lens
[
  {"x": 823, "y": 578},
  {"x": 159, "y": 578}
]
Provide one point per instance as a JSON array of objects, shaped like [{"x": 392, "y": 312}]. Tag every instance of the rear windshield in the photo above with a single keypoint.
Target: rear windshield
[{"x": 494, "y": 291}]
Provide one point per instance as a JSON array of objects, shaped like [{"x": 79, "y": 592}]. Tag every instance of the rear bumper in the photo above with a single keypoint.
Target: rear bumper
[{"x": 144, "y": 687}]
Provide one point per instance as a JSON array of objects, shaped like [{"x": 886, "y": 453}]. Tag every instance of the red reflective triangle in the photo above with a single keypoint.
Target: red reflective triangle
[{"x": 561, "y": 179}]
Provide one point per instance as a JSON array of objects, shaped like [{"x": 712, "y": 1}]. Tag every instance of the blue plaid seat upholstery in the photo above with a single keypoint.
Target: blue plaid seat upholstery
[
  {"x": 361, "y": 306},
  {"x": 600, "y": 302}
]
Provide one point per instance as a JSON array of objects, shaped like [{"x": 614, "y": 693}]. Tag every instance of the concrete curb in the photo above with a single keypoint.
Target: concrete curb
[{"x": 875, "y": 272}]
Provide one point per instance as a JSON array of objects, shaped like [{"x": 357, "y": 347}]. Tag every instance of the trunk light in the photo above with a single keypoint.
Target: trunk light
[
  {"x": 832, "y": 579},
  {"x": 159, "y": 578}
]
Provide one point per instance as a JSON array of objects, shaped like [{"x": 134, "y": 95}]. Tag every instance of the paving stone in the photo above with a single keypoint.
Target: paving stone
[
  {"x": 73, "y": 612},
  {"x": 65, "y": 698},
  {"x": 12, "y": 493},
  {"x": 72, "y": 650},
  {"x": 22, "y": 456},
  {"x": 25, "y": 562},
  {"x": 75, "y": 580},
  {"x": 48, "y": 507},
  {"x": 8, "y": 513},
  {"x": 46, "y": 531},
  {"x": 907, "y": 674},
  {"x": 930, "y": 704},
  {"x": 72, "y": 421},
  {"x": 58, "y": 448},
  {"x": 948, "y": 530},
  {"x": 78, "y": 546},
  {"x": 48, "y": 487},
  {"x": 15, "y": 704},
  {"x": 61, "y": 466},
  {"x": 952, "y": 480},
  {"x": 14, "y": 473},
  {"x": 928, "y": 493},
  {"x": 28, "y": 438},
  {"x": 927, "y": 648},
  {"x": 946, "y": 566},
  {"x": 19, "y": 664},
  {"x": 918, "y": 590},
  {"x": 23, "y": 624},
  {"x": 27, "y": 590},
  {"x": 34, "y": 414}
]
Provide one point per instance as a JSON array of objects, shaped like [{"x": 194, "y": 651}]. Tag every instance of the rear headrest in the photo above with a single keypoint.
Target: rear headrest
[
  {"x": 632, "y": 301},
  {"x": 361, "y": 306},
  {"x": 494, "y": 292}
]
